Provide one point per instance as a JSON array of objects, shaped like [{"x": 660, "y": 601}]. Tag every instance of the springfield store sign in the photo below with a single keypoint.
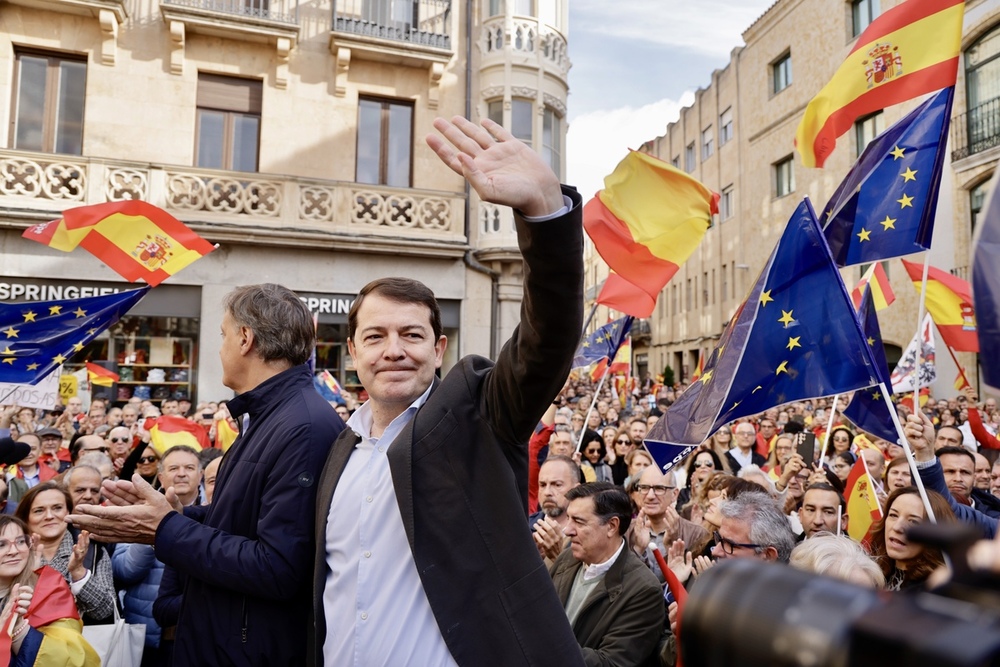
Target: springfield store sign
[{"x": 22, "y": 292}]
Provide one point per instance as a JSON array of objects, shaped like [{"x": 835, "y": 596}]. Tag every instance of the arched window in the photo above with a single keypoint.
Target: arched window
[{"x": 982, "y": 86}]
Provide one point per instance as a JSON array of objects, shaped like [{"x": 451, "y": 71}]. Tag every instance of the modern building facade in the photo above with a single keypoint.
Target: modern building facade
[
  {"x": 737, "y": 138},
  {"x": 292, "y": 135}
]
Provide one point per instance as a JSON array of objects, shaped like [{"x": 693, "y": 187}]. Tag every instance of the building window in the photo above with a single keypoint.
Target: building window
[
  {"x": 713, "y": 287},
  {"x": 863, "y": 12},
  {"x": 982, "y": 85},
  {"x": 494, "y": 111},
  {"x": 704, "y": 289},
  {"x": 676, "y": 162},
  {"x": 726, "y": 126},
  {"x": 781, "y": 73},
  {"x": 977, "y": 197},
  {"x": 552, "y": 140},
  {"x": 228, "y": 122},
  {"x": 385, "y": 142},
  {"x": 867, "y": 129},
  {"x": 726, "y": 203},
  {"x": 673, "y": 300},
  {"x": 784, "y": 177},
  {"x": 687, "y": 295},
  {"x": 725, "y": 282},
  {"x": 706, "y": 143},
  {"x": 523, "y": 7},
  {"x": 495, "y": 7},
  {"x": 521, "y": 119},
  {"x": 689, "y": 159},
  {"x": 48, "y": 109}
]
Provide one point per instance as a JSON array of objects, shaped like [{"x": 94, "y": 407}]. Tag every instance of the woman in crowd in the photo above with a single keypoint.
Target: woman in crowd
[
  {"x": 720, "y": 443},
  {"x": 700, "y": 467},
  {"x": 636, "y": 461},
  {"x": 48, "y": 635},
  {"x": 840, "y": 441},
  {"x": 897, "y": 474},
  {"x": 84, "y": 565},
  {"x": 616, "y": 456},
  {"x": 592, "y": 463},
  {"x": 608, "y": 435},
  {"x": 837, "y": 556},
  {"x": 906, "y": 564},
  {"x": 841, "y": 465}
]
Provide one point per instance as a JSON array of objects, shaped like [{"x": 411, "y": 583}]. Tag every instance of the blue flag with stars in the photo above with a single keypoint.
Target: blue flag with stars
[
  {"x": 869, "y": 409},
  {"x": 39, "y": 336},
  {"x": 796, "y": 336},
  {"x": 603, "y": 343},
  {"x": 986, "y": 288},
  {"x": 885, "y": 206}
]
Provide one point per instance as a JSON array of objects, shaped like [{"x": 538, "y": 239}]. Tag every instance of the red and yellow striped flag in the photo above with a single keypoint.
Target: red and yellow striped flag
[
  {"x": 876, "y": 280},
  {"x": 863, "y": 508},
  {"x": 101, "y": 376},
  {"x": 909, "y": 50},
  {"x": 949, "y": 301},
  {"x": 170, "y": 430},
  {"x": 700, "y": 368},
  {"x": 136, "y": 239},
  {"x": 648, "y": 220},
  {"x": 225, "y": 435}
]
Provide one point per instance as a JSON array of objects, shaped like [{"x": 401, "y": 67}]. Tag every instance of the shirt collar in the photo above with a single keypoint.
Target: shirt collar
[
  {"x": 599, "y": 569},
  {"x": 361, "y": 421}
]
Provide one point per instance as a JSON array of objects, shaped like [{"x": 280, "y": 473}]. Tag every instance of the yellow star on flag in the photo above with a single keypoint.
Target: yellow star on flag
[
  {"x": 80, "y": 312},
  {"x": 909, "y": 175},
  {"x": 877, "y": 396},
  {"x": 793, "y": 342},
  {"x": 896, "y": 153},
  {"x": 786, "y": 317},
  {"x": 864, "y": 235},
  {"x": 9, "y": 360},
  {"x": 782, "y": 368},
  {"x": 706, "y": 377},
  {"x": 756, "y": 389},
  {"x": 78, "y": 347},
  {"x": 765, "y": 298},
  {"x": 735, "y": 404},
  {"x": 871, "y": 340},
  {"x": 8, "y": 351},
  {"x": 29, "y": 316},
  {"x": 905, "y": 201},
  {"x": 32, "y": 367},
  {"x": 888, "y": 223},
  {"x": 11, "y": 332},
  {"x": 91, "y": 332},
  {"x": 59, "y": 359},
  {"x": 55, "y": 310}
]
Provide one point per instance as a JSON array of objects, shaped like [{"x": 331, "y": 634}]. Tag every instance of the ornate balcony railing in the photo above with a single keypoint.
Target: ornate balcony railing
[
  {"x": 976, "y": 130},
  {"x": 525, "y": 35},
  {"x": 259, "y": 9},
  {"x": 48, "y": 183},
  {"x": 424, "y": 22}
]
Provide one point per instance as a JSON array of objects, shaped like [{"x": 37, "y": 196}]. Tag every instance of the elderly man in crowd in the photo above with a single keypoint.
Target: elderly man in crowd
[
  {"x": 753, "y": 526},
  {"x": 658, "y": 523}
]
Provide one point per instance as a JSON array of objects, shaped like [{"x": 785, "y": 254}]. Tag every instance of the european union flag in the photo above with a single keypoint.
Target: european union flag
[
  {"x": 885, "y": 207},
  {"x": 39, "y": 336},
  {"x": 986, "y": 289},
  {"x": 795, "y": 336},
  {"x": 869, "y": 409},
  {"x": 603, "y": 343}
]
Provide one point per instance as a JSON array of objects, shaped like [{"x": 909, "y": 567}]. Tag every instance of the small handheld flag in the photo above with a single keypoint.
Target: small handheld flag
[
  {"x": 949, "y": 302},
  {"x": 603, "y": 343},
  {"x": 100, "y": 375}
]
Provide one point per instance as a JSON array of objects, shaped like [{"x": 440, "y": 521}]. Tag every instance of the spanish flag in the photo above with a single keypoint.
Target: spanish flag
[
  {"x": 701, "y": 366},
  {"x": 170, "y": 430},
  {"x": 136, "y": 239},
  {"x": 949, "y": 301},
  {"x": 225, "y": 435},
  {"x": 623, "y": 296},
  {"x": 910, "y": 50},
  {"x": 648, "y": 220},
  {"x": 101, "y": 376},
  {"x": 863, "y": 508},
  {"x": 875, "y": 280}
]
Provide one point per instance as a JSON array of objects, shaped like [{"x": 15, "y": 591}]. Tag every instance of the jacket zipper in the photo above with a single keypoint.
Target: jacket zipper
[{"x": 244, "y": 631}]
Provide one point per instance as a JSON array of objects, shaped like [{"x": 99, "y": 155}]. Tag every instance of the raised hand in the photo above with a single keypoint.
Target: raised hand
[
  {"x": 75, "y": 566},
  {"x": 502, "y": 169},
  {"x": 679, "y": 560}
]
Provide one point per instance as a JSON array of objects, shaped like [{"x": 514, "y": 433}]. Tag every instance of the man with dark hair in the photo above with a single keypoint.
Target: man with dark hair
[
  {"x": 612, "y": 600},
  {"x": 248, "y": 555},
  {"x": 959, "y": 467},
  {"x": 422, "y": 554},
  {"x": 819, "y": 510},
  {"x": 948, "y": 436}
]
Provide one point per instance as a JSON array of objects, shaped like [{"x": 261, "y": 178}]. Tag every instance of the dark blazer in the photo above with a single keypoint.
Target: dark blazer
[
  {"x": 755, "y": 459},
  {"x": 460, "y": 472},
  {"x": 622, "y": 620}
]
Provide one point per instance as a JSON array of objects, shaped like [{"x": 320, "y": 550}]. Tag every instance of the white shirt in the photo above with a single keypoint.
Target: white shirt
[
  {"x": 743, "y": 459},
  {"x": 376, "y": 610},
  {"x": 598, "y": 569}
]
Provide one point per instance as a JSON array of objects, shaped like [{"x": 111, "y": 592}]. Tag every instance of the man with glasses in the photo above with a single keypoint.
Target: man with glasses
[
  {"x": 753, "y": 526},
  {"x": 88, "y": 444},
  {"x": 658, "y": 523},
  {"x": 766, "y": 436},
  {"x": 743, "y": 454}
]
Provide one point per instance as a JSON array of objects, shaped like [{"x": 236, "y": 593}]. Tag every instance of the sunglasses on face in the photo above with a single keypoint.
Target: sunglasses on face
[
  {"x": 103, "y": 450},
  {"x": 704, "y": 464},
  {"x": 623, "y": 442},
  {"x": 593, "y": 451},
  {"x": 119, "y": 439},
  {"x": 148, "y": 459}
]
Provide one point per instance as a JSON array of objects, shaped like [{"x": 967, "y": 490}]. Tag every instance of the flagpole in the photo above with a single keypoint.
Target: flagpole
[
  {"x": 914, "y": 473},
  {"x": 921, "y": 309},
  {"x": 871, "y": 483},
  {"x": 829, "y": 426},
  {"x": 961, "y": 371},
  {"x": 593, "y": 403},
  {"x": 593, "y": 309}
]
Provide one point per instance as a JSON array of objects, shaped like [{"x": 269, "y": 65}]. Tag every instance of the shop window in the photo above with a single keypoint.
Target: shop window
[
  {"x": 227, "y": 135},
  {"x": 49, "y": 103},
  {"x": 385, "y": 142}
]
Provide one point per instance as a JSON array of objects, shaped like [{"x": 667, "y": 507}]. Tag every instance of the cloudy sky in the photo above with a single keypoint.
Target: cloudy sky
[{"x": 635, "y": 64}]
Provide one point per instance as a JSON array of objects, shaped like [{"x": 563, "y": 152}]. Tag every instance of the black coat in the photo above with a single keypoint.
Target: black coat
[
  {"x": 248, "y": 555},
  {"x": 460, "y": 472}
]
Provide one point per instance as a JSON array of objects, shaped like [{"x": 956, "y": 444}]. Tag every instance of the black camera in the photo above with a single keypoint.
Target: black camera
[{"x": 749, "y": 613}]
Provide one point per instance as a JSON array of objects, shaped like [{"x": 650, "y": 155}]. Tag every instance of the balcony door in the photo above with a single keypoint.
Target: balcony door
[
  {"x": 982, "y": 79},
  {"x": 398, "y": 14}
]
